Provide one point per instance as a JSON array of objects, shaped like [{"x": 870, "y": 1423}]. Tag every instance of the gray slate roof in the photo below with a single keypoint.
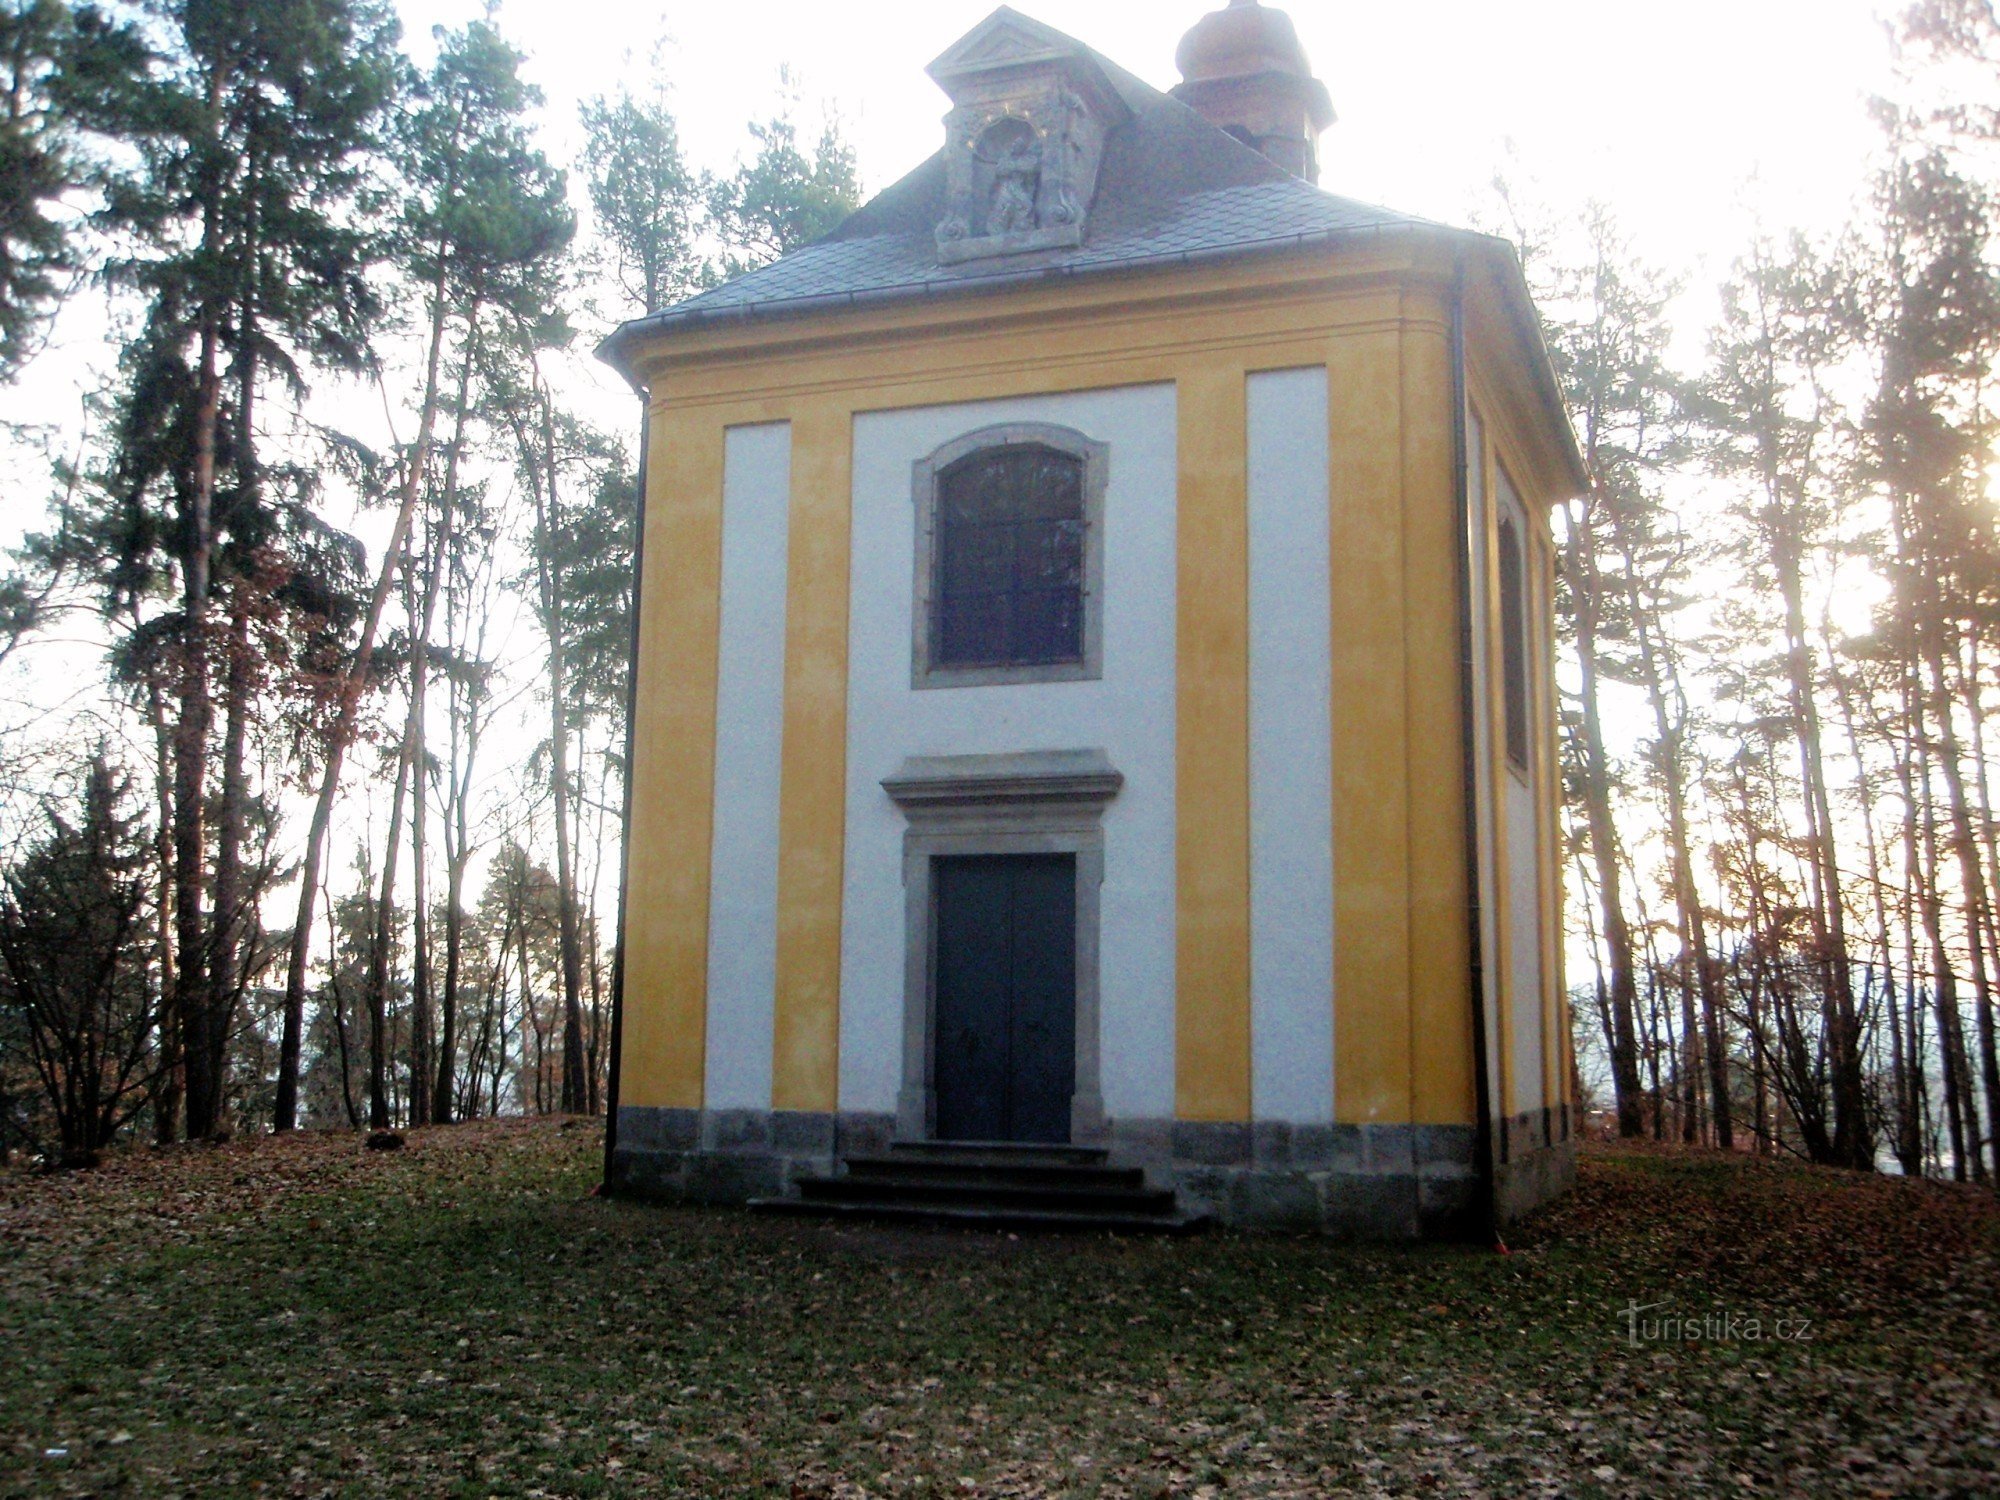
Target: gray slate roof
[{"x": 1173, "y": 187}]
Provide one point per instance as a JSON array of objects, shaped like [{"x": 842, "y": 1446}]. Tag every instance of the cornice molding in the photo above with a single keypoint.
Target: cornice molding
[{"x": 944, "y": 783}]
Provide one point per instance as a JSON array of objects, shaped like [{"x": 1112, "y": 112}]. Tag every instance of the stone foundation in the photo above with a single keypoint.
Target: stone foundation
[
  {"x": 1359, "y": 1182},
  {"x": 1537, "y": 1154},
  {"x": 734, "y": 1155}
]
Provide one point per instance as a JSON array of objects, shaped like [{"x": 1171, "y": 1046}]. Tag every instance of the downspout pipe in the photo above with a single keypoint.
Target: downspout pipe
[
  {"x": 625, "y": 817},
  {"x": 1486, "y": 1217}
]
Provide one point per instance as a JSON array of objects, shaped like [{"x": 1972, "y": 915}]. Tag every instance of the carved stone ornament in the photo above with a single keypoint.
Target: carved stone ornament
[{"x": 1024, "y": 145}]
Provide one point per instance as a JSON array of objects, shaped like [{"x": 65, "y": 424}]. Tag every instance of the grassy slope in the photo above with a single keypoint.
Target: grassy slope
[{"x": 462, "y": 1318}]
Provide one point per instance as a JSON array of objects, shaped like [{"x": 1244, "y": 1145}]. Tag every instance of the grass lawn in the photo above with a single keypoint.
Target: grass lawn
[{"x": 463, "y": 1318}]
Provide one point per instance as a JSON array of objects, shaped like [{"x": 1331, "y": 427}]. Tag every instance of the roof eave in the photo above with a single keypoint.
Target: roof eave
[
  {"x": 620, "y": 347},
  {"x": 611, "y": 349},
  {"x": 1520, "y": 302}
]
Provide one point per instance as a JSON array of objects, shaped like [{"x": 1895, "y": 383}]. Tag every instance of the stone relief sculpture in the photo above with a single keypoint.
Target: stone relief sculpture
[
  {"x": 1017, "y": 179},
  {"x": 1023, "y": 146}
]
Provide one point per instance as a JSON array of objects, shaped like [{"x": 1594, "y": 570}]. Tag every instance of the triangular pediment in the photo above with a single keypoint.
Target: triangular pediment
[{"x": 1005, "y": 39}]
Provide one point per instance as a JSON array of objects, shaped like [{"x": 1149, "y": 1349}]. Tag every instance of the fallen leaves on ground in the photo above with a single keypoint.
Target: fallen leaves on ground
[{"x": 307, "y": 1317}]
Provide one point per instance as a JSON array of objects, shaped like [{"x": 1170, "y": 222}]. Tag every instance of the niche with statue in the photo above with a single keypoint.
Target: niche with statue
[{"x": 1024, "y": 145}]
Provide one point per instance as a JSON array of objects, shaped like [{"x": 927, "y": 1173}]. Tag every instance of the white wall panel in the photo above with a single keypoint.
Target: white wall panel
[
  {"x": 1129, "y": 714},
  {"x": 749, "y": 743},
  {"x": 1291, "y": 765},
  {"x": 1524, "y": 834}
]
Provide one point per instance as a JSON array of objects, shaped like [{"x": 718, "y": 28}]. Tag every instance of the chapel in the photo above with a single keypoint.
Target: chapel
[{"x": 1093, "y": 749}]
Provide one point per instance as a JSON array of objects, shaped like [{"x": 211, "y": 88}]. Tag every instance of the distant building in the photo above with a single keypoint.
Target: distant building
[{"x": 1094, "y": 683}]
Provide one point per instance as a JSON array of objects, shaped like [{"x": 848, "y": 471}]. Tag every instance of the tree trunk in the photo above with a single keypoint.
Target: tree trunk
[
  {"x": 378, "y": 956},
  {"x": 341, "y": 733},
  {"x": 421, "y": 1062},
  {"x": 1961, "y": 1103},
  {"x": 1972, "y": 881},
  {"x": 1697, "y": 971},
  {"x": 530, "y": 1020},
  {"x": 168, "y": 1091},
  {"x": 232, "y": 898},
  {"x": 547, "y": 532},
  {"x": 1586, "y": 591},
  {"x": 597, "y": 947},
  {"x": 1912, "y": 1021},
  {"x": 443, "y": 1106},
  {"x": 340, "y": 1029},
  {"x": 231, "y": 901},
  {"x": 423, "y": 1106},
  {"x": 191, "y": 757},
  {"x": 1905, "y": 1067},
  {"x": 458, "y": 847},
  {"x": 1852, "y": 1144},
  {"x": 518, "y": 917}
]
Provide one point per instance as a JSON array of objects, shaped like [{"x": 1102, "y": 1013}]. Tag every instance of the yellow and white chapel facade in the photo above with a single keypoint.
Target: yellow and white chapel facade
[{"x": 1094, "y": 697}]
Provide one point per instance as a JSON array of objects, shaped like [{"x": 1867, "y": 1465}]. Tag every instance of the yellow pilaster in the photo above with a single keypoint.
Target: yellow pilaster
[
  {"x": 1370, "y": 779},
  {"x": 1439, "y": 1017},
  {"x": 673, "y": 789},
  {"x": 805, "y": 1062},
  {"x": 1212, "y": 809}
]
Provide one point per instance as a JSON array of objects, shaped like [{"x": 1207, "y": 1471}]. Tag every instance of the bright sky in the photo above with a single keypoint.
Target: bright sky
[
  {"x": 1668, "y": 111},
  {"x": 1691, "y": 120}
]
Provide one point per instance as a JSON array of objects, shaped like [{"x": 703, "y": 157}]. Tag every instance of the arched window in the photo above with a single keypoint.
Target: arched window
[{"x": 1008, "y": 558}]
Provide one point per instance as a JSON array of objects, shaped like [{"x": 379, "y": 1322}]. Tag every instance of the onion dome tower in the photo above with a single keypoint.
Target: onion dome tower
[{"x": 1243, "y": 69}]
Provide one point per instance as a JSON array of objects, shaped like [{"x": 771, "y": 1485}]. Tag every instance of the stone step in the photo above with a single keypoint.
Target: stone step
[
  {"x": 1000, "y": 1152},
  {"x": 988, "y": 1184},
  {"x": 971, "y": 1216},
  {"x": 980, "y": 1190},
  {"x": 1032, "y": 1172}
]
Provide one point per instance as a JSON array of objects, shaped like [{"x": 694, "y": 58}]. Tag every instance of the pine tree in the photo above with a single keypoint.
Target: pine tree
[
  {"x": 252, "y": 132},
  {"x": 549, "y": 446},
  {"x": 1935, "y": 315},
  {"x": 483, "y": 213},
  {"x": 1772, "y": 415},
  {"x": 75, "y": 964},
  {"x": 468, "y": 671},
  {"x": 647, "y": 204},
  {"x": 1605, "y": 332},
  {"x": 64, "y": 70},
  {"x": 785, "y": 197}
]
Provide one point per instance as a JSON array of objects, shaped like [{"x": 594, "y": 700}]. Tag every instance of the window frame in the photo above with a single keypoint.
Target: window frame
[{"x": 1095, "y": 458}]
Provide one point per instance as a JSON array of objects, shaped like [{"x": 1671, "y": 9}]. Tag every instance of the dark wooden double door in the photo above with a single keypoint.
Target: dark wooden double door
[{"x": 1005, "y": 1061}]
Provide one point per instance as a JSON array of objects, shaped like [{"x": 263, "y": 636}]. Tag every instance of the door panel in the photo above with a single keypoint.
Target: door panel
[
  {"x": 1044, "y": 998},
  {"x": 1005, "y": 1064},
  {"x": 973, "y": 1040}
]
